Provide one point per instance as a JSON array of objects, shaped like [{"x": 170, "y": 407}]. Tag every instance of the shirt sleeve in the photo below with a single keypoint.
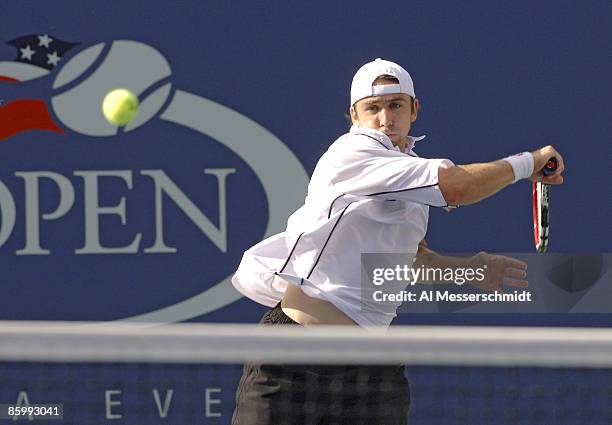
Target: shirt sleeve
[{"x": 388, "y": 174}]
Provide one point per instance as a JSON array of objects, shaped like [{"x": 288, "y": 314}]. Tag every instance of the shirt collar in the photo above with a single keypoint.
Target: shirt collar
[{"x": 383, "y": 139}]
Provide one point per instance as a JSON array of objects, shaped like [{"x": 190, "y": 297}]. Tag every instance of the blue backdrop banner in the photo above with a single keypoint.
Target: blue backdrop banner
[{"x": 238, "y": 101}]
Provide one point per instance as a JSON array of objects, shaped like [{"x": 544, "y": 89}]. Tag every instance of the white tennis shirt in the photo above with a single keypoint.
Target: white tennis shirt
[{"x": 365, "y": 196}]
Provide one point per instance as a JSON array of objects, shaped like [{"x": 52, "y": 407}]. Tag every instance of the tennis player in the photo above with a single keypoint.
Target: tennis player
[{"x": 369, "y": 193}]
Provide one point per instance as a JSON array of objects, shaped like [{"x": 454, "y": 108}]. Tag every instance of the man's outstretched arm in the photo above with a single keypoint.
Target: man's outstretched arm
[{"x": 468, "y": 184}]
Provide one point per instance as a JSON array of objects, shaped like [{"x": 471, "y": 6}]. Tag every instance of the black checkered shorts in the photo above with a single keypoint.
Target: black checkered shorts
[{"x": 320, "y": 394}]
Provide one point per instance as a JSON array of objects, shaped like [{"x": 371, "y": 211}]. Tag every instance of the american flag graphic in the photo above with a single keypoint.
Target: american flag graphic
[{"x": 37, "y": 56}]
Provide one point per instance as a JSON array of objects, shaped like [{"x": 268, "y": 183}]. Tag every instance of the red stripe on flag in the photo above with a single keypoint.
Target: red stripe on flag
[
  {"x": 8, "y": 79},
  {"x": 23, "y": 115}
]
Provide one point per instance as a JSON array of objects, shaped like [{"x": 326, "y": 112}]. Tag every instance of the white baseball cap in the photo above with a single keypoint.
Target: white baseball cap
[{"x": 361, "y": 86}]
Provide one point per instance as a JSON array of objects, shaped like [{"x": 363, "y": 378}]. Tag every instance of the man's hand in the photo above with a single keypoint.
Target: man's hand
[
  {"x": 540, "y": 158},
  {"x": 500, "y": 270}
]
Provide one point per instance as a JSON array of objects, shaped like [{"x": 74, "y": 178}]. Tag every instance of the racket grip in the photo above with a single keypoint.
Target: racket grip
[{"x": 550, "y": 167}]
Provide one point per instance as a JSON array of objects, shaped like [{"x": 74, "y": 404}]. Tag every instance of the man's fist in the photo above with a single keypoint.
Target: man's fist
[{"x": 540, "y": 158}]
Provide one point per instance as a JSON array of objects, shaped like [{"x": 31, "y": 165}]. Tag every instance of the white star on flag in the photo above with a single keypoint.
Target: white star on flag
[
  {"x": 53, "y": 58},
  {"x": 27, "y": 53},
  {"x": 44, "y": 40}
]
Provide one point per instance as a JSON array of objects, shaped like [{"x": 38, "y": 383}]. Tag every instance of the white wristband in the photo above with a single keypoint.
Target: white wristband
[{"x": 522, "y": 165}]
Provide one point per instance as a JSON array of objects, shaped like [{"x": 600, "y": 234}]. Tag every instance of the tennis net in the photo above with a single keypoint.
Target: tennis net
[{"x": 132, "y": 373}]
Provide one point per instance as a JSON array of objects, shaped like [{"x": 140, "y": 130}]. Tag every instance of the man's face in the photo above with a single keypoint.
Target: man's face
[{"x": 393, "y": 114}]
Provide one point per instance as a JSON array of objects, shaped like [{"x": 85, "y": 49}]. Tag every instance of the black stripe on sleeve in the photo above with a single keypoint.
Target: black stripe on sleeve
[
  {"x": 328, "y": 237},
  {"x": 332, "y": 204},
  {"x": 415, "y": 188},
  {"x": 402, "y": 190},
  {"x": 290, "y": 253}
]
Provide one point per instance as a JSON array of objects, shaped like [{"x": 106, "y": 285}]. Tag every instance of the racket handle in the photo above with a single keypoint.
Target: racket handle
[{"x": 550, "y": 167}]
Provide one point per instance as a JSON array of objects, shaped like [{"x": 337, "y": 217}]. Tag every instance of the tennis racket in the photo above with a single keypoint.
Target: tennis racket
[{"x": 541, "y": 207}]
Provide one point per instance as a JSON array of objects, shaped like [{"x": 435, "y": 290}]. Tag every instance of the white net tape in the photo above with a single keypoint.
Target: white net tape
[{"x": 232, "y": 343}]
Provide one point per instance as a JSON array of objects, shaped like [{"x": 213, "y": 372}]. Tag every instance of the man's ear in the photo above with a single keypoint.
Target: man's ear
[
  {"x": 353, "y": 114},
  {"x": 416, "y": 105}
]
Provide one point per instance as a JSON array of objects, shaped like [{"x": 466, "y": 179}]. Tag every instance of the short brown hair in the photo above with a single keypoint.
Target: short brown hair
[
  {"x": 390, "y": 79},
  {"x": 385, "y": 79}
]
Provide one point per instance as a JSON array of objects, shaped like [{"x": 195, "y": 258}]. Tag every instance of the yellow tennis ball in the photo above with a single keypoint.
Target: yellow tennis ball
[{"x": 120, "y": 106}]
